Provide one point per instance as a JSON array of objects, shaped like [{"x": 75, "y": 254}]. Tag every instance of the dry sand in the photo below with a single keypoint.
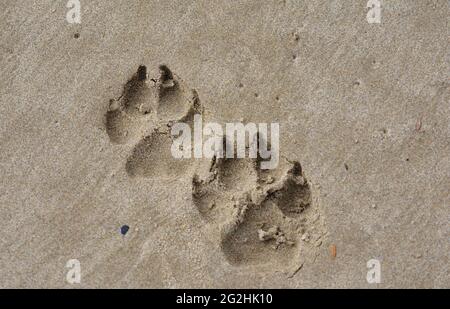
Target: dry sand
[{"x": 363, "y": 108}]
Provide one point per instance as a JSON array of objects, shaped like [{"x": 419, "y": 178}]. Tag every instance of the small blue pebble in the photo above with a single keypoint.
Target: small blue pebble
[{"x": 124, "y": 229}]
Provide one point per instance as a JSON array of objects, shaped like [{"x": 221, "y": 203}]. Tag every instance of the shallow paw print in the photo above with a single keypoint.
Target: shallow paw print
[{"x": 144, "y": 114}]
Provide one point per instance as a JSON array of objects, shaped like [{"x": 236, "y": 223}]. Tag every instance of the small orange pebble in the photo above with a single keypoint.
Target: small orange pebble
[
  {"x": 419, "y": 124},
  {"x": 333, "y": 251}
]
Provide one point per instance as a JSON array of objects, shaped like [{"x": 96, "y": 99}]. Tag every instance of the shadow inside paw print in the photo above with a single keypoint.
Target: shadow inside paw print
[
  {"x": 258, "y": 211},
  {"x": 143, "y": 116}
]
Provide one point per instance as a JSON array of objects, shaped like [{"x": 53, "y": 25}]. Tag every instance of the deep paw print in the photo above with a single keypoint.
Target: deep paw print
[
  {"x": 262, "y": 214},
  {"x": 149, "y": 104}
]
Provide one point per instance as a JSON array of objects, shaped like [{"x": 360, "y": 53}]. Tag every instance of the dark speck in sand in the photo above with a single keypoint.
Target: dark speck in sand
[{"x": 124, "y": 229}]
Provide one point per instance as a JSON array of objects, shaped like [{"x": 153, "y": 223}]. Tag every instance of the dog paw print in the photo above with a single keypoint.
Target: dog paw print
[
  {"x": 143, "y": 115},
  {"x": 261, "y": 214},
  {"x": 265, "y": 217}
]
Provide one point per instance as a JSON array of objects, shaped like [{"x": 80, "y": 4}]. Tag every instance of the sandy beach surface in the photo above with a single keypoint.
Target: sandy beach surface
[{"x": 87, "y": 180}]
